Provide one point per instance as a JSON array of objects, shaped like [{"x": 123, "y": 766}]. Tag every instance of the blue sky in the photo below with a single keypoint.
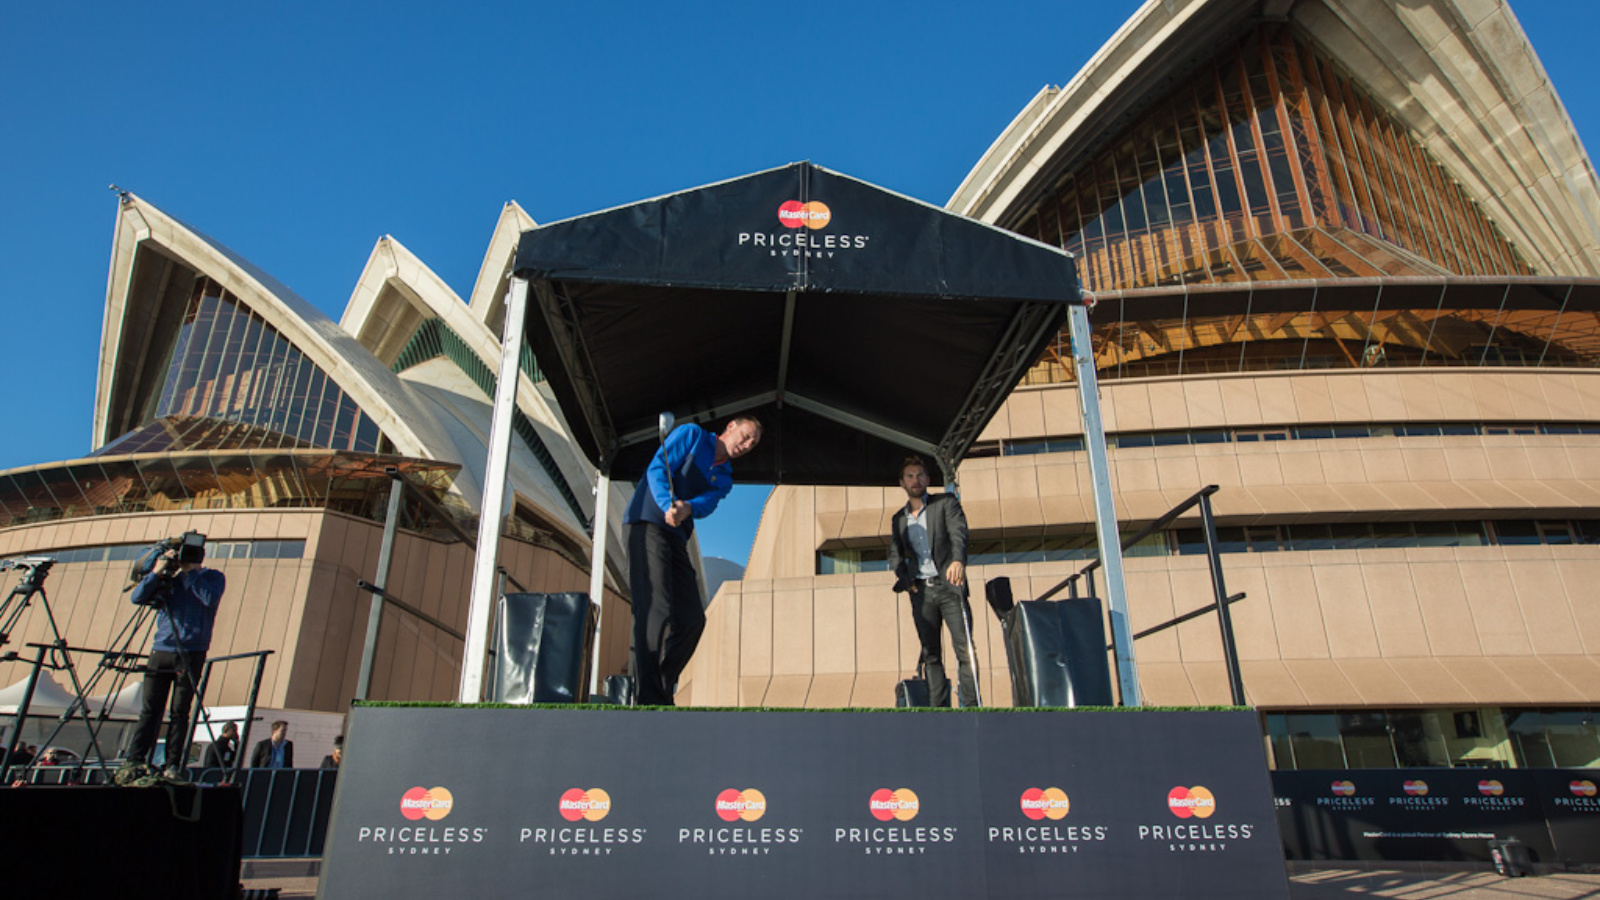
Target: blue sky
[{"x": 298, "y": 133}]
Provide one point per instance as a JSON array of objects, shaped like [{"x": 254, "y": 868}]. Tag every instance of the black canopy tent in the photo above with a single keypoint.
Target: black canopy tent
[{"x": 857, "y": 324}]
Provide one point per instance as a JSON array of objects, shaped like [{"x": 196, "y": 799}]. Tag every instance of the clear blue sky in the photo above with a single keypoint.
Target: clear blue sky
[{"x": 298, "y": 133}]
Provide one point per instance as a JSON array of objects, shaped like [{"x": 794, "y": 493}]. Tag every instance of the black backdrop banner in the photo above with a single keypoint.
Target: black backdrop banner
[
  {"x": 1437, "y": 814},
  {"x": 437, "y": 802}
]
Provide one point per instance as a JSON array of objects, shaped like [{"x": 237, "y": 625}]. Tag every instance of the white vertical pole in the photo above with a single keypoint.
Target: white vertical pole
[
  {"x": 597, "y": 570},
  {"x": 1105, "y": 511},
  {"x": 491, "y": 513},
  {"x": 391, "y": 523}
]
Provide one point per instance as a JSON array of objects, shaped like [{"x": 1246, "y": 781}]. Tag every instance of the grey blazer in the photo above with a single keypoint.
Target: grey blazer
[{"x": 947, "y": 537}]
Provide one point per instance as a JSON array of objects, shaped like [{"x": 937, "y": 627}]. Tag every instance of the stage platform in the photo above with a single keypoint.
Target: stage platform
[{"x": 566, "y": 802}]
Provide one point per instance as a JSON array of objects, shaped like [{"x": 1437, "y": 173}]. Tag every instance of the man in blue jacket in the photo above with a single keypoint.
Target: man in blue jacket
[
  {"x": 185, "y": 594},
  {"x": 685, "y": 480}
]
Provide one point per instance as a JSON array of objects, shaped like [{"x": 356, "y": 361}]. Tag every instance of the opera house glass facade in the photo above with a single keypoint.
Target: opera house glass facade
[
  {"x": 1270, "y": 163},
  {"x": 231, "y": 368}
]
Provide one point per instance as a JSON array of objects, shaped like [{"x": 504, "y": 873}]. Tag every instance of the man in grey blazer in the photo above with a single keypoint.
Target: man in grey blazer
[{"x": 928, "y": 555}]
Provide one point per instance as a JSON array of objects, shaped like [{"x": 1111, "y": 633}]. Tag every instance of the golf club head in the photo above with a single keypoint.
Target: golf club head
[{"x": 664, "y": 424}]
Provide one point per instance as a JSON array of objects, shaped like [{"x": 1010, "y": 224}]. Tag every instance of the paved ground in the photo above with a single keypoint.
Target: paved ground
[
  {"x": 1326, "y": 882},
  {"x": 1434, "y": 883}
]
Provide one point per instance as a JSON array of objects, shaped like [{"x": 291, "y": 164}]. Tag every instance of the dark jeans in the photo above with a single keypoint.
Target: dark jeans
[
  {"x": 667, "y": 616},
  {"x": 166, "y": 673},
  {"x": 937, "y": 602}
]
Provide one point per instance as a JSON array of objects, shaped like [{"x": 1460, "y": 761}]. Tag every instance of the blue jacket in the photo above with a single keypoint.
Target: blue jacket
[
  {"x": 191, "y": 609},
  {"x": 688, "y": 457}
]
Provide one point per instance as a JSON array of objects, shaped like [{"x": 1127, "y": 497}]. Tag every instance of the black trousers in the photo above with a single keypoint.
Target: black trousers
[
  {"x": 667, "y": 616},
  {"x": 937, "y": 602},
  {"x": 166, "y": 673}
]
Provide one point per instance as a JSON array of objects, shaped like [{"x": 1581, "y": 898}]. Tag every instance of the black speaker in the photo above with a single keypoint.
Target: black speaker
[
  {"x": 1056, "y": 650},
  {"x": 998, "y": 592},
  {"x": 916, "y": 693},
  {"x": 543, "y": 647},
  {"x": 620, "y": 689}
]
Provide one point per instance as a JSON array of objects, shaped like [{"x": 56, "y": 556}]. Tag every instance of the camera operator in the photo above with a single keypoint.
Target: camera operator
[{"x": 185, "y": 594}]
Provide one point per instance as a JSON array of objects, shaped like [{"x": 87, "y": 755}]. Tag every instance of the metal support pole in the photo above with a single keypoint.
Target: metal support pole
[
  {"x": 1105, "y": 519},
  {"x": 391, "y": 522},
  {"x": 597, "y": 570},
  {"x": 22, "y": 712},
  {"x": 249, "y": 716},
  {"x": 492, "y": 511},
  {"x": 492, "y": 670},
  {"x": 1230, "y": 652},
  {"x": 972, "y": 656}
]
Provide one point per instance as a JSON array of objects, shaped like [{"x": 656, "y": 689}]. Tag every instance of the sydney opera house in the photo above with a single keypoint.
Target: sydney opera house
[
  {"x": 228, "y": 405},
  {"x": 1345, "y": 264}
]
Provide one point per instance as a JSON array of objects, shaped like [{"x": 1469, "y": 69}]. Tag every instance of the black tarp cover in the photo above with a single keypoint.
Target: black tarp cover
[{"x": 859, "y": 325}]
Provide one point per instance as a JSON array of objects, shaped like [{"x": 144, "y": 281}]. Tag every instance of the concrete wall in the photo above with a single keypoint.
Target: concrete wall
[
  {"x": 1327, "y": 628},
  {"x": 309, "y": 611}
]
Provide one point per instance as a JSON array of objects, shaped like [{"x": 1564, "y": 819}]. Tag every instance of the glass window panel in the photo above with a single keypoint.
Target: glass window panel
[
  {"x": 200, "y": 482},
  {"x": 1314, "y": 740},
  {"x": 1516, "y": 532},
  {"x": 1419, "y": 738},
  {"x": 1308, "y": 536},
  {"x": 1261, "y": 538},
  {"x": 985, "y": 553},
  {"x": 1476, "y": 737},
  {"x": 1555, "y": 533},
  {"x": 1573, "y": 738},
  {"x": 1350, "y": 535},
  {"x": 1529, "y": 743},
  {"x": 164, "y": 486},
  {"x": 1151, "y": 545},
  {"x": 1024, "y": 549},
  {"x": 1367, "y": 744},
  {"x": 1393, "y": 534},
  {"x": 1278, "y": 741},
  {"x": 99, "y": 490}
]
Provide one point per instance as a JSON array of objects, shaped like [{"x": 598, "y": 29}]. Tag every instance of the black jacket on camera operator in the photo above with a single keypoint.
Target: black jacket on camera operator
[{"x": 185, "y": 595}]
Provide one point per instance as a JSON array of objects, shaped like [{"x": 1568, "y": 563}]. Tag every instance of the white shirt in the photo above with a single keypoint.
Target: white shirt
[{"x": 917, "y": 536}]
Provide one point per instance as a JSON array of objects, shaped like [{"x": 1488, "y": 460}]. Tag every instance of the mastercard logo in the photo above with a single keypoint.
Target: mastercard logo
[
  {"x": 592, "y": 804},
  {"x": 1343, "y": 788},
  {"x": 432, "y": 803},
  {"x": 1418, "y": 788},
  {"x": 1491, "y": 788},
  {"x": 1191, "y": 801},
  {"x": 1050, "y": 803},
  {"x": 814, "y": 215},
  {"x": 885, "y": 804},
  {"x": 748, "y": 805},
  {"x": 1583, "y": 788}
]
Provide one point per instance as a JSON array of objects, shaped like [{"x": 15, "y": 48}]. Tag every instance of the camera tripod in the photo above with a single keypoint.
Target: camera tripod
[{"x": 55, "y": 655}]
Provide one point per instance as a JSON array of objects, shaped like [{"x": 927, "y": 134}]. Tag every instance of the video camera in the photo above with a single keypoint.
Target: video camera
[{"x": 190, "y": 547}]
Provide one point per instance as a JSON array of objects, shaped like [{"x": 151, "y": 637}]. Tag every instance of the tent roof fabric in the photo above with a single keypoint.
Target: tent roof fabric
[{"x": 859, "y": 325}]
